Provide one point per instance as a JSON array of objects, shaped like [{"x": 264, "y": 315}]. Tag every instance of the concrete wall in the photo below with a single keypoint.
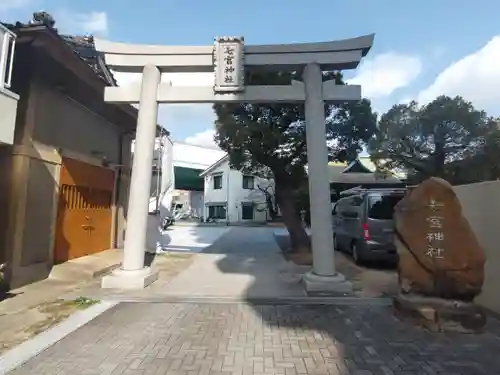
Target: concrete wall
[
  {"x": 233, "y": 193},
  {"x": 481, "y": 206},
  {"x": 55, "y": 126},
  {"x": 74, "y": 127},
  {"x": 122, "y": 191},
  {"x": 8, "y": 109},
  {"x": 5, "y": 182}
]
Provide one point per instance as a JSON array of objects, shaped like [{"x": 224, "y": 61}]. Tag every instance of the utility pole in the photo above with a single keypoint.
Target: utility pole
[{"x": 159, "y": 173}]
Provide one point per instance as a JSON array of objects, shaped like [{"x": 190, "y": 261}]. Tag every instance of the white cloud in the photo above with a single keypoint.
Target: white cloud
[
  {"x": 385, "y": 73},
  {"x": 86, "y": 23},
  {"x": 204, "y": 138},
  {"x": 476, "y": 77},
  {"x": 188, "y": 117},
  {"x": 405, "y": 100},
  {"x": 171, "y": 116},
  {"x": 8, "y": 5},
  {"x": 94, "y": 22}
]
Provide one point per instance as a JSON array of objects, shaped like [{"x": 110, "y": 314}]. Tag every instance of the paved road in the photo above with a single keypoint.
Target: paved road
[
  {"x": 184, "y": 238},
  {"x": 217, "y": 339},
  {"x": 244, "y": 263},
  {"x": 244, "y": 338}
]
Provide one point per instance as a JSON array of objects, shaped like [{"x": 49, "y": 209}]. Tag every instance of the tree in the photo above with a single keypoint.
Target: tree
[
  {"x": 424, "y": 141},
  {"x": 269, "y": 141},
  {"x": 481, "y": 166},
  {"x": 268, "y": 190}
]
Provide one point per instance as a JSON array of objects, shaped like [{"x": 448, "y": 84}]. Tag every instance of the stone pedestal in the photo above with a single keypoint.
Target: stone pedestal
[
  {"x": 124, "y": 279},
  {"x": 335, "y": 285},
  {"x": 439, "y": 315}
]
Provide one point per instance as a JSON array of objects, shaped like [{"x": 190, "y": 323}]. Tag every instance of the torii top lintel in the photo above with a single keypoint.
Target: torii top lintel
[{"x": 334, "y": 55}]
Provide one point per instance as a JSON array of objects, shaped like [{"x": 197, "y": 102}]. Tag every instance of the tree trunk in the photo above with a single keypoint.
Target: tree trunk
[
  {"x": 439, "y": 155},
  {"x": 300, "y": 241},
  {"x": 270, "y": 206}
]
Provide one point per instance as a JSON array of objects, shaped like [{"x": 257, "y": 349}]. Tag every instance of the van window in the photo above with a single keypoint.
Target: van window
[
  {"x": 382, "y": 206},
  {"x": 354, "y": 201},
  {"x": 344, "y": 202}
]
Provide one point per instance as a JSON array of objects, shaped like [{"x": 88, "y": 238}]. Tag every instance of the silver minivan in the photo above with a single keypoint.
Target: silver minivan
[{"x": 363, "y": 223}]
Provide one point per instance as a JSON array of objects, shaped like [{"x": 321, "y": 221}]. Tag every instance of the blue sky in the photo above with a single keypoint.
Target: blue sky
[{"x": 422, "y": 49}]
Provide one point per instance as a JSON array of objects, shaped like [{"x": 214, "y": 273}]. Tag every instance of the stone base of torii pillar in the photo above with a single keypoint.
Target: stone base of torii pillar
[
  {"x": 332, "y": 285},
  {"x": 129, "y": 279}
]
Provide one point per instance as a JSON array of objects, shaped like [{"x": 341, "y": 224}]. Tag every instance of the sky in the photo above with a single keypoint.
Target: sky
[{"x": 422, "y": 49}]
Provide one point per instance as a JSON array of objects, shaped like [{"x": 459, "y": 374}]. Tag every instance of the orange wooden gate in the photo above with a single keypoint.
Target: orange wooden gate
[{"x": 85, "y": 210}]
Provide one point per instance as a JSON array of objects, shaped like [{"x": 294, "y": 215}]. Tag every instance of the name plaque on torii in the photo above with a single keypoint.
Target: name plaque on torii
[{"x": 229, "y": 68}]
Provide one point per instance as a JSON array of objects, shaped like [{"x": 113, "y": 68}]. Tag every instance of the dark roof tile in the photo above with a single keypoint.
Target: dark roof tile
[{"x": 82, "y": 46}]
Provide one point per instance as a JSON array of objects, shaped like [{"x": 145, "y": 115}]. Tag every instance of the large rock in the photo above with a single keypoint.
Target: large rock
[{"x": 439, "y": 255}]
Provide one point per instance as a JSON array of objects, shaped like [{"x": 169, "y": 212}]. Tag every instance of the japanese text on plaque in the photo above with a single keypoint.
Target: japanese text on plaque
[
  {"x": 435, "y": 234},
  {"x": 229, "y": 65}
]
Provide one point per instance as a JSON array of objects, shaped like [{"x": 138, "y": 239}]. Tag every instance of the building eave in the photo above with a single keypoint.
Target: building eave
[{"x": 214, "y": 165}]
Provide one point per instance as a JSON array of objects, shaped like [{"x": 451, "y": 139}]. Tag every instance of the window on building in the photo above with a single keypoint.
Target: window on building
[
  {"x": 247, "y": 210},
  {"x": 217, "y": 211},
  {"x": 7, "y": 42},
  {"x": 217, "y": 181},
  {"x": 248, "y": 182}
]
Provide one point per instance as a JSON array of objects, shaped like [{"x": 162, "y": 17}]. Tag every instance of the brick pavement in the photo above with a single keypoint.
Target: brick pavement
[{"x": 225, "y": 339}]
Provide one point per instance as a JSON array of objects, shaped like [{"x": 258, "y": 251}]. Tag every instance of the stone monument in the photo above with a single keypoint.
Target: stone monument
[{"x": 441, "y": 263}]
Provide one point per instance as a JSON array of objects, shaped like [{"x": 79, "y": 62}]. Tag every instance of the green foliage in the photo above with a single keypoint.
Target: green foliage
[
  {"x": 429, "y": 140},
  {"x": 84, "y": 302},
  {"x": 269, "y": 139}
]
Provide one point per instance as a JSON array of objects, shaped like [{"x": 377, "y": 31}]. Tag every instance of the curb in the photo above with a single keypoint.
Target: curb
[
  {"x": 22, "y": 353},
  {"x": 276, "y": 301}
]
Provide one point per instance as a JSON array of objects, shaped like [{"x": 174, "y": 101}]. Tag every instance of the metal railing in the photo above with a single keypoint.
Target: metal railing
[{"x": 7, "y": 47}]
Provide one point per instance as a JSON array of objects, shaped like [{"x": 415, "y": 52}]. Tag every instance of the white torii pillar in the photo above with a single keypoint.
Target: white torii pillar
[
  {"x": 134, "y": 274},
  {"x": 230, "y": 88},
  {"x": 323, "y": 278}
]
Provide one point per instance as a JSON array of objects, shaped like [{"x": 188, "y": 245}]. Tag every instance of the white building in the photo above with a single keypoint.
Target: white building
[
  {"x": 8, "y": 99},
  {"x": 232, "y": 196},
  {"x": 176, "y": 184},
  {"x": 188, "y": 162}
]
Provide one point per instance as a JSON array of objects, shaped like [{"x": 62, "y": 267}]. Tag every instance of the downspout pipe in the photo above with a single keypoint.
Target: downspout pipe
[{"x": 118, "y": 180}]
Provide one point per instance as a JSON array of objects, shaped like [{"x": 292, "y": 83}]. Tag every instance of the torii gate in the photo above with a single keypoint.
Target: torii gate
[{"x": 228, "y": 59}]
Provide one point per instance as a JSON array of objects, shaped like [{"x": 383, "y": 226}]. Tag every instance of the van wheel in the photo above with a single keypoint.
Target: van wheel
[{"x": 355, "y": 254}]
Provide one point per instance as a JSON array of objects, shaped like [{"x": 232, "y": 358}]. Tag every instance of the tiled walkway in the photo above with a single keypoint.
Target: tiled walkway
[
  {"x": 189, "y": 339},
  {"x": 209, "y": 337}
]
